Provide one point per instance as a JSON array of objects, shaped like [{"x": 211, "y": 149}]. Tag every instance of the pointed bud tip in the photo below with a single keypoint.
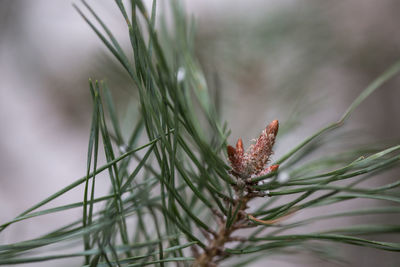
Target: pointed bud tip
[
  {"x": 274, "y": 168},
  {"x": 273, "y": 127},
  {"x": 239, "y": 145}
]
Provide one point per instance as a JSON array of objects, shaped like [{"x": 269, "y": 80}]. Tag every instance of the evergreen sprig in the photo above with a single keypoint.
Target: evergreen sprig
[{"x": 177, "y": 191}]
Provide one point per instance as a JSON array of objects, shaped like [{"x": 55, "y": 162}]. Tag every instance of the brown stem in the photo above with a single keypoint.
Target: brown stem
[{"x": 217, "y": 243}]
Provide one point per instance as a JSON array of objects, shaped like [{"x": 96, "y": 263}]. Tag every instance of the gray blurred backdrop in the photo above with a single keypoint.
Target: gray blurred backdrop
[{"x": 303, "y": 61}]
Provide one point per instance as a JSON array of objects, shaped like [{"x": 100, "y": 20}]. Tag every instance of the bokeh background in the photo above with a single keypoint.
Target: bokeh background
[{"x": 301, "y": 62}]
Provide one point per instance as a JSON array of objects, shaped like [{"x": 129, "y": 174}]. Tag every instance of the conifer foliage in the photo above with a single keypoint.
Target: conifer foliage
[{"x": 178, "y": 193}]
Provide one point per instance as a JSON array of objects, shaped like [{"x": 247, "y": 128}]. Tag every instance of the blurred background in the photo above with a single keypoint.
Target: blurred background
[{"x": 301, "y": 62}]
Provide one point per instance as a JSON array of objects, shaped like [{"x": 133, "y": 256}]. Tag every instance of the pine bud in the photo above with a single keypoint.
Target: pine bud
[{"x": 254, "y": 161}]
